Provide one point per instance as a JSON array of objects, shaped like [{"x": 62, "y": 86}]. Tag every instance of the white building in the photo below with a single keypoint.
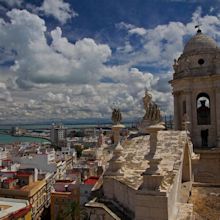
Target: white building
[
  {"x": 3, "y": 155},
  {"x": 42, "y": 162},
  {"x": 68, "y": 150}
]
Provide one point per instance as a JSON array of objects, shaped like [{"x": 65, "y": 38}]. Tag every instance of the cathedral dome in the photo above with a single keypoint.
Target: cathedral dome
[{"x": 200, "y": 42}]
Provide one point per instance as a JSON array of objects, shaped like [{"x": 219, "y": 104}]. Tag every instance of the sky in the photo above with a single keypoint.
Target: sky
[{"x": 71, "y": 59}]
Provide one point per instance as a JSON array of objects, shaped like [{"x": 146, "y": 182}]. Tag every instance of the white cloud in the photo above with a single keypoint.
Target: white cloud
[
  {"x": 79, "y": 68},
  {"x": 59, "y": 9},
  {"x": 57, "y": 98},
  {"x": 5, "y": 95},
  {"x": 139, "y": 31},
  {"x": 126, "y": 48},
  {"x": 157, "y": 47},
  {"x": 88, "y": 100},
  {"x": 211, "y": 9},
  {"x": 123, "y": 25},
  {"x": 62, "y": 61}
]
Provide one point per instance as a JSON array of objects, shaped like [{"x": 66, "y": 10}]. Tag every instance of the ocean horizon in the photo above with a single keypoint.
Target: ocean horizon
[{"x": 69, "y": 124}]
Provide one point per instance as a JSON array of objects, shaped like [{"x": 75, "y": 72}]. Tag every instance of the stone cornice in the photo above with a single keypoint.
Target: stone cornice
[
  {"x": 176, "y": 93},
  {"x": 204, "y": 51},
  {"x": 199, "y": 78}
]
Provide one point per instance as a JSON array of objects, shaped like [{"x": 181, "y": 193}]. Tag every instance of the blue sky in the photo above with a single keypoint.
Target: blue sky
[{"x": 74, "y": 59}]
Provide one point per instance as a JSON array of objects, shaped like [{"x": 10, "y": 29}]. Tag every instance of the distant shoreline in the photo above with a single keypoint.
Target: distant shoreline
[
  {"x": 48, "y": 126},
  {"x": 29, "y": 136},
  {"x": 9, "y": 139}
]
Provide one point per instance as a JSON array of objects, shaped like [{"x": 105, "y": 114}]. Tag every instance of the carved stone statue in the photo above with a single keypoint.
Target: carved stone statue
[
  {"x": 152, "y": 111},
  {"x": 147, "y": 99},
  {"x": 116, "y": 116}
]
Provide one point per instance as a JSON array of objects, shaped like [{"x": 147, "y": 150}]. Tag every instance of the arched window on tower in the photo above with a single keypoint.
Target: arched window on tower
[
  {"x": 184, "y": 107},
  {"x": 203, "y": 109}
]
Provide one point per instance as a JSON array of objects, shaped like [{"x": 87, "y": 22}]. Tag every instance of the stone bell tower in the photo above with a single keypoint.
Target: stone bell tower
[{"x": 196, "y": 90}]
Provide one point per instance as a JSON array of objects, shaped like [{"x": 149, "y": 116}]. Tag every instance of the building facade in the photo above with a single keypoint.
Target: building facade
[
  {"x": 58, "y": 134},
  {"x": 65, "y": 200},
  {"x": 24, "y": 185},
  {"x": 196, "y": 90}
]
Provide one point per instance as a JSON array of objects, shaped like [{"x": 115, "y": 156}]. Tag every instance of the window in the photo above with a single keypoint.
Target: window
[
  {"x": 201, "y": 61},
  {"x": 184, "y": 107},
  {"x": 203, "y": 109}
]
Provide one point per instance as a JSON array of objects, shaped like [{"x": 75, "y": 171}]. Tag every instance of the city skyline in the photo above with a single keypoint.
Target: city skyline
[{"x": 68, "y": 59}]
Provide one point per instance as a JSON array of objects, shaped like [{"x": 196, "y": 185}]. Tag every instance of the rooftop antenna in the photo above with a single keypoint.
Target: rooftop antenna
[{"x": 198, "y": 28}]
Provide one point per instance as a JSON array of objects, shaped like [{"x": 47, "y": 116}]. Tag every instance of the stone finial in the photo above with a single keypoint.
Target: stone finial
[
  {"x": 100, "y": 141},
  {"x": 117, "y": 126},
  {"x": 153, "y": 131},
  {"x": 116, "y": 132},
  {"x": 153, "y": 167},
  {"x": 116, "y": 116},
  {"x": 151, "y": 122},
  {"x": 152, "y": 177},
  {"x": 152, "y": 114},
  {"x": 116, "y": 162}
]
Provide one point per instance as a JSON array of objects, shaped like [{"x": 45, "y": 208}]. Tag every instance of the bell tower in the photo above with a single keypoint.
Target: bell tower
[{"x": 196, "y": 90}]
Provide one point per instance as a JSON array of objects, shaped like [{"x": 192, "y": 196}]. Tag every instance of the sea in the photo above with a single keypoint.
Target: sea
[
  {"x": 43, "y": 126},
  {"x": 8, "y": 139}
]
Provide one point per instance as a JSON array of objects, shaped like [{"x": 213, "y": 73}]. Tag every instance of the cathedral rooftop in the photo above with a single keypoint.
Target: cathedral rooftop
[
  {"x": 149, "y": 178},
  {"x": 198, "y": 42},
  {"x": 170, "y": 148}
]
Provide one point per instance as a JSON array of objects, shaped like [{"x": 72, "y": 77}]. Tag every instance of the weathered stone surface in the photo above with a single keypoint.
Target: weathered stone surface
[
  {"x": 156, "y": 174},
  {"x": 206, "y": 202}
]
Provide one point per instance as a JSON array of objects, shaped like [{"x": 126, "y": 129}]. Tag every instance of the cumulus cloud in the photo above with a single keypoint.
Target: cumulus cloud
[
  {"x": 132, "y": 29},
  {"x": 75, "y": 80},
  {"x": 137, "y": 30},
  {"x": 126, "y": 48},
  {"x": 5, "y": 95},
  {"x": 59, "y": 9},
  {"x": 87, "y": 100},
  {"x": 61, "y": 62},
  {"x": 57, "y": 98},
  {"x": 165, "y": 42}
]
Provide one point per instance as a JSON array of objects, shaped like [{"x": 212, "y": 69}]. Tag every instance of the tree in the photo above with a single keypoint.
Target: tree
[{"x": 73, "y": 211}]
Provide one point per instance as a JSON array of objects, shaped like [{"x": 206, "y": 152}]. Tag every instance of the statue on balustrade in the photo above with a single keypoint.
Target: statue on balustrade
[
  {"x": 116, "y": 116},
  {"x": 152, "y": 114}
]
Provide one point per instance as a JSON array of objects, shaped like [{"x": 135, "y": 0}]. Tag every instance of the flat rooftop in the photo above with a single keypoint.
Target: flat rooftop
[
  {"x": 33, "y": 187},
  {"x": 9, "y": 206}
]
